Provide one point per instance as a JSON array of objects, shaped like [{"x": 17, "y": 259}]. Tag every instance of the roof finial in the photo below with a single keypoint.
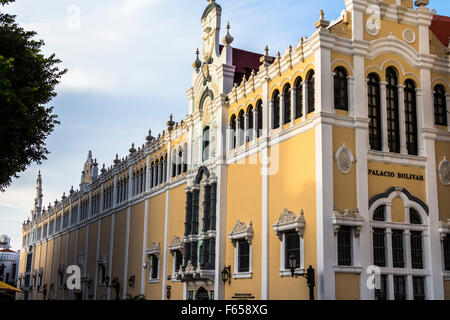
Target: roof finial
[
  {"x": 422, "y": 3},
  {"x": 132, "y": 149},
  {"x": 322, "y": 23},
  {"x": 266, "y": 50},
  {"x": 228, "y": 39},
  {"x": 170, "y": 123},
  {"x": 116, "y": 161},
  {"x": 197, "y": 63}
]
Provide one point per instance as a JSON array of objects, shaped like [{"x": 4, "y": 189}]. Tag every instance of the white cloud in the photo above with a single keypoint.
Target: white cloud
[
  {"x": 79, "y": 79},
  {"x": 131, "y": 6}
]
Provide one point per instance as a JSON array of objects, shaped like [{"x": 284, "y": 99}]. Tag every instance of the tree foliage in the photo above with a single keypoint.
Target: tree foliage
[{"x": 27, "y": 85}]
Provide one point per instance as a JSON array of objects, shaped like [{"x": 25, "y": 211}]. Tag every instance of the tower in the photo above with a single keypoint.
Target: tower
[{"x": 38, "y": 199}]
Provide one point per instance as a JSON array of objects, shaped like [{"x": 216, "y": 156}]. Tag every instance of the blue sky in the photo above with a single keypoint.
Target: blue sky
[{"x": 129, "y": 67}]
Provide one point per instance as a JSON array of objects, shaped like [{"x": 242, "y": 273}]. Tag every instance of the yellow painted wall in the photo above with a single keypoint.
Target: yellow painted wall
[
  {"x": 344, "y": 184},
  {"x": 447, "y": 289},
  {"x": 120, "y": 228},
  {"x": 155, "y": 233},
  {"x": 347, "y": 286},
  {"x": 135, "y": 246},
  {"x": 56, "y": 262},
  {"x": 91, "y": 266},
  {"x": 177, "y": 204},
  {"x": 62, "y": 261},
  {"x": 379, "y": 184},
  {"x": 397, "y": 210},
  {"x": 72, "y": 256},
  {"x": 47, "y": 272},
  {"x": 443, "y": 150},
  {"x": 293, "y": 187},
  {"x": 105, "y": 244},
  {"x": 244, "y": 199}
]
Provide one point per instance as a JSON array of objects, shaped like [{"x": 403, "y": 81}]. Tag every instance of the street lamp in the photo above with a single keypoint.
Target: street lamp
[
  {"x": 309, "y": 275},
  {"x": 226, "y": 274}
]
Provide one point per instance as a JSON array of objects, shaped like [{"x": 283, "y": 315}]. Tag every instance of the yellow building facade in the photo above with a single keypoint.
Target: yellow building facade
[{"x": 333, "y": 154}]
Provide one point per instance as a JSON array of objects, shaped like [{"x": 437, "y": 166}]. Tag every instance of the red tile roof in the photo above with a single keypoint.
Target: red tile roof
[
  {"x": 245, "y": 62},
  {"x": 440, "y": 25},
  {"x": 7, "y": 250}
]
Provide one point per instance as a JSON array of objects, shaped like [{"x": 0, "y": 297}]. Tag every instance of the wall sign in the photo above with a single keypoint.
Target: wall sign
[{"x": 398, "y": 175}]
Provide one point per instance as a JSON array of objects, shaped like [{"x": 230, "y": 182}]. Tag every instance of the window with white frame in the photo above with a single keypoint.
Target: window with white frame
[
  {"x": 102, "y": 272},
  {"x": 444, "y": 230},
  {"x": 153, "y": 252},
  {"x": 241, "y": 236},
  {"x": 397, "y": 246},
  {"x": 347, "y": 226},
  {"x": 175, "y": 248},
  {"x": 290, "y": 230}
]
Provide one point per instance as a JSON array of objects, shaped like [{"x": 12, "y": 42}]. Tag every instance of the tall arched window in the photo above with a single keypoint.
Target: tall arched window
[
  {"x": 249, "y": 135},
  {"x": 152, "y": 174},
  {"x": 180, "y": 160},
  {"x": 259, "y": 124},
  {"x": 411, "y": 117},
  {"x": 276, "y": 109},
  {"x": 311, "y": 91},
  {"x": 205, "y": 146},
  {"x": 241, "y": 127},
  {"x": 174, "y": 163},
  {"x": 156, "y": 173},
  {"x": 185, "y": 149},
  {"x": 233, "y": 131},
  {"x": 393, "y": 125},
  {"x": 340, "y": 89},
  {"x": 298, "y": 91},
  {"x": 440, "y": 106},
  {"x": 287, "y": 103},
  {"x": 373, "y": 95}
]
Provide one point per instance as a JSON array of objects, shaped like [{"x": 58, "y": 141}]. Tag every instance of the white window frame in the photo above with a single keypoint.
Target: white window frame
[
  {"x": 153, "y": 250},
  {"x": 283, "y": 272},
  {"x": 406, "y": 227},
  {"x": 242, "y": 232},
  {"x": 353, "y": 220}
]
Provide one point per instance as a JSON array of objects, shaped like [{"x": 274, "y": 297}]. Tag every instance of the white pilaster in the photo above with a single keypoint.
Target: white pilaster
[
  {"x": 383, "y": 109},
  {"x": 401, "y": 111}
]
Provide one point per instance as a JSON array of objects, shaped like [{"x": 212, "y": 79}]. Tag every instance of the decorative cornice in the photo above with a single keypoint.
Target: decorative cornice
[
  {"x": 241, "y": 231},
  {"x": 288, "y": 220},
  {"x": 347, "y": 218}
]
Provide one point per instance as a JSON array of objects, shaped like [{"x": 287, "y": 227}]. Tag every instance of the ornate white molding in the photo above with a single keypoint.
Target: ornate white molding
[
  {"x": 347, "y": 218},
  {"x": 153, "y": 248},
  {"x": 176, "y": 244},
  {"x": 241, "y": 231},
  {"x": 409, "y": 36},
  {"x": 288, "y": 220},
  {"x": 444, "y": 171},
  {"x": 344, "y": 159},
  {"x": 444, "y": 228}
]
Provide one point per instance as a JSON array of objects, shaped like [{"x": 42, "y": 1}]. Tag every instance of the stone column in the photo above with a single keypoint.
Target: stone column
[
  {"x": 383, "y": 109},
  {"x": 401, "y": 113}
]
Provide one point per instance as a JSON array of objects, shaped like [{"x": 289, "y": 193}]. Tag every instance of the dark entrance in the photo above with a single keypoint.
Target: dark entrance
[{"x": 201, "y": 294}]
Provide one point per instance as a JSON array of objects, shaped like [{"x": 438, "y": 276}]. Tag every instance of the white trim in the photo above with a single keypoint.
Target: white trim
[
  {"x": 283, "y": 272},
  {"x": 125, "y": 263},
  {"x": 245, "y": 274},
  {"x": 144, "y": 245},
  {"x": 166, "y": 230}
]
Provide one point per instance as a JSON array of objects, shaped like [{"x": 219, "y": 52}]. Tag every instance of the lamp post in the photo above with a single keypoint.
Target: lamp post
[
  {"x": 309, "y": 275},
  {"x": 226, "y": 274}
]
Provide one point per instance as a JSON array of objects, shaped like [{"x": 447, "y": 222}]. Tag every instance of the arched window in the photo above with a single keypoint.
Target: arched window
[
  {"x": 287, "y": 103},
  {"x": 161, "y": 168},
  {"x": 379, "y": 214},
  {"x": 393, "y": 130},
  {"x": 440, "y": 106},
  {"x": 374, "y": 108},
  {"x": 276, "y": 109},
  {"x": 174, "y": 163},
  {"x": 311, "y": 91},
  {"x": 205, "y": 147},
  {"x": 180, "y": 160},
  {"x": 152, "y": 174},
  {"x": 249, "y": 136},
  {"x": 414, "y": 216},
  {"x": 233, "y": 131},
  {"x": 411, "y": 117},
  {"x": 340, "y": 89},
  {"x": 185, "y": 158},
  {"x": 156, "y": 173},
  {"x": 298, "y": 91},
  {"x": 259, "y": 124},
  {"x": 241, "y": 127}
]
